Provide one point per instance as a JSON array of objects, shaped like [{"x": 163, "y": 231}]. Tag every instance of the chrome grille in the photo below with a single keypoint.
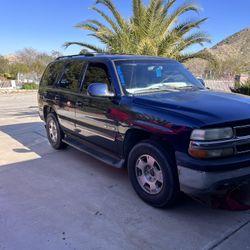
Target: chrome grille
[
  {"x": 243, "y": 148},
  {"x": 242, "y": 131}
]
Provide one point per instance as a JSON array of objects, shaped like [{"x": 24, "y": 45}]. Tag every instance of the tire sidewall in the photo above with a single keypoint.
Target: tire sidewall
[
  {"x": 56, "y": 144},
  {"x": 170, "y": 187}
]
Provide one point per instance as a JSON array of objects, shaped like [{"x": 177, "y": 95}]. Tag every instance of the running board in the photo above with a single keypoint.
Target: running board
[{"x": 101, "y": 156}]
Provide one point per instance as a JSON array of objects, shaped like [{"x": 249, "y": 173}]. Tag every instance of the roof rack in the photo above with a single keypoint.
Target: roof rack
[
  {"x": 65, "y": 57},
  {"x": 84, "y": 54}
]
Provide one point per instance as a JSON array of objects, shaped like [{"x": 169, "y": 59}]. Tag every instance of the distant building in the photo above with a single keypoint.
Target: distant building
[{"x": 29, "y": 78}]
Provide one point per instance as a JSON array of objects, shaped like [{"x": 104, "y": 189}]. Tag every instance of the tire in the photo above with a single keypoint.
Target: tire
[
  {"x": 153, "y": 174},
  {"x": 54, "y": 132}
]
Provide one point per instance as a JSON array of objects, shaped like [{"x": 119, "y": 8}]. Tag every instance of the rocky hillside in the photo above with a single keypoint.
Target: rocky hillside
[
  {"x": 236, "y": 46},
  {"x": 233, "y": 53}
]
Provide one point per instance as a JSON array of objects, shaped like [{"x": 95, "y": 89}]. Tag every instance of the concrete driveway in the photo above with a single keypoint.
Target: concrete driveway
[{"x": 67, "y": 200}]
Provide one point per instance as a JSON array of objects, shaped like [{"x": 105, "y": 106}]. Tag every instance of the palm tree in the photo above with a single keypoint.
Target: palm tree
[{"x": 154, "y": 29}]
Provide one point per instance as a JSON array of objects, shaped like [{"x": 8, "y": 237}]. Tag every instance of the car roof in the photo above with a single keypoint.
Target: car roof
[{"x": 110, "y": 57}]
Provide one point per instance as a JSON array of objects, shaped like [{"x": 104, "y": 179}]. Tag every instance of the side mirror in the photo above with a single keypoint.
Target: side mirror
[
  {"x": 201, "y": 81},
  {"x": 99, "y": 90}
]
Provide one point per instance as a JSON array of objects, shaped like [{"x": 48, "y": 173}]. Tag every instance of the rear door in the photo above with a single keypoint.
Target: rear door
[
  {"x": 68, "y": 88},
  {"x": 47, "y": 87},
  {"x": 94, "y": 114}
]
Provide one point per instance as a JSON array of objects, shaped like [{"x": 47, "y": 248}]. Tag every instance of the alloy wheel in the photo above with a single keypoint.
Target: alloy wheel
[{"x": 149, "y": 174}]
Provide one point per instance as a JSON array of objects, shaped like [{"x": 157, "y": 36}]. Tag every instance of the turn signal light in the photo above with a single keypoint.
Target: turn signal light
[{"x": 212, "y": 153}]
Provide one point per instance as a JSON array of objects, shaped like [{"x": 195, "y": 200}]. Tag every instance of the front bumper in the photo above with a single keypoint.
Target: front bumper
[{"x": 195, "y": 181}]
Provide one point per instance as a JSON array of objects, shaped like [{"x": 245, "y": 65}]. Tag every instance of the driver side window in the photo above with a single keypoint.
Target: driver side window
[{"x": 97, "y": 73}]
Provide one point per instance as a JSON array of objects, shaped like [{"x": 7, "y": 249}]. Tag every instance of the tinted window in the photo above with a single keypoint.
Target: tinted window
[
  {"x": 71, "y": 77},
  {"x": 97, "y": 73},
  {"x": 52, "y": 73}
]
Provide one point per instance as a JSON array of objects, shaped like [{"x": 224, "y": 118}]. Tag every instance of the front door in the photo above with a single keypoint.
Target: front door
[
  {"x": 68, "y": 89},
  {"x": 94, "y": 114}
]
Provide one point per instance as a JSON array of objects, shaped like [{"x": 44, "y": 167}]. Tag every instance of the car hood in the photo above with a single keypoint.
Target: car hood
[{"x": 203, "y": 106}]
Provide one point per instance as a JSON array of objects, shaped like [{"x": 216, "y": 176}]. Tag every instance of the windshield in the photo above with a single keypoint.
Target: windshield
[{"x": 141, "y": 76}]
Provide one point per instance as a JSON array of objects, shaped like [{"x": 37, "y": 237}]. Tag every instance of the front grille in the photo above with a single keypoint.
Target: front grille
[
  {"x": 242, "y": 131},
  {"x": 243, "y": 148}
]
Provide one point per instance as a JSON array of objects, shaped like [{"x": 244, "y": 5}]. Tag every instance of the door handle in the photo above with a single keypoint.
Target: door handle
[
  {"x": 57, "y": 98},
  {"x": 79, "y": 104}
]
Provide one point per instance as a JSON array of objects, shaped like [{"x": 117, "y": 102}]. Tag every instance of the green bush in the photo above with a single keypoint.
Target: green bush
[
  {"x": 242, "y": 88},
  {"x": 9, "y": 76},
  {"x": 30, "y": 86}
]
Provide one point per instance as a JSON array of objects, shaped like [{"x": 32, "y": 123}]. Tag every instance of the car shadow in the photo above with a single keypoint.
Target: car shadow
[
  {"x": 33, "y": 137},
  {"x": 70, "y": 191}
]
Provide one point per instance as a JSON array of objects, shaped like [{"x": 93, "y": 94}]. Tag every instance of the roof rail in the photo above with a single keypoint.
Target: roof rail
[
  {"x": 89, "y": 54},
  {"x": 84, "y": 54},
  {"x": 65, "y": 57},
  {"x": 95, "y": 53}
]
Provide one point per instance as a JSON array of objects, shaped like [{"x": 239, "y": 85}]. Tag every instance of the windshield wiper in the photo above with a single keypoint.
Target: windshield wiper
[
  {"x": 147, "y": 90},
  {"x": 163, "y": 87},
  {"x": 183, "y": 87},
  {"x": 190, "y": 87}
]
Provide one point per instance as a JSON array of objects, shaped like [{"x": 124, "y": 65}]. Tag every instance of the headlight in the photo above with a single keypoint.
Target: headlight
[
  {"x": 205, "y": 143},
  {"x": 212, "y": 134}
]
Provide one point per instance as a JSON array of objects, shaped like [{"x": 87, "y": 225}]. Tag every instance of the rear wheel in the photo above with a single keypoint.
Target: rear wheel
[
  {"x": 153, "y": 174},
  {"x": 54, "y": 132}
]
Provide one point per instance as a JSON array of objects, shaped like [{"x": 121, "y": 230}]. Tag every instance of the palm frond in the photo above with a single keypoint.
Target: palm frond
[
  {"x": 138, "y": 10},
  {"x": 187, "y": 26},
  {"x": 197, "y": 38},
  {"x": 205, "y": 55},
  {"x": 88, "y": 26},
  {"x": 93, "y": 23},
  {"x": 186, "y": 7},
  {"x": 118, "y": 17},
  {"x": 167, "y": 7},
  {"x": 152, "y": 14},
  {"x": 114, "y": 26}
]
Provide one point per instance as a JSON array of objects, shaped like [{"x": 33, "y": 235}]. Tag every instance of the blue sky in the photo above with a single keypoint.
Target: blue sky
[{"x": 46, "y": 24}]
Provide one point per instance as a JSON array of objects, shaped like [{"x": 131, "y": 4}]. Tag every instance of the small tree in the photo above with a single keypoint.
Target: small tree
[{"x": 4, "y": 65}]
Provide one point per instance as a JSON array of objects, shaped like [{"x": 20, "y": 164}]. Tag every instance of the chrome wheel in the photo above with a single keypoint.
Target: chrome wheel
[
  {"x": 53, "y": 130},
  {"x": 149, "y": 174}
]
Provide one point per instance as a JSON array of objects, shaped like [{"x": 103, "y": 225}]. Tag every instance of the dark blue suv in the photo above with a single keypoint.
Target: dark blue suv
[{"x": 150, "y": 115}]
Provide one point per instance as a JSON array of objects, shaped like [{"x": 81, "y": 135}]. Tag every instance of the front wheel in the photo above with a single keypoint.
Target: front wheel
[
  {"x": 54, "y": 132},
  {"x": 153, "y": 174}
]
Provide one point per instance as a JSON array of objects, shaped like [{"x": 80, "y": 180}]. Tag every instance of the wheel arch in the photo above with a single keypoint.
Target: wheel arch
[
  {"x": 134, "y": 136},
  {"x": 46, "y": 110}
]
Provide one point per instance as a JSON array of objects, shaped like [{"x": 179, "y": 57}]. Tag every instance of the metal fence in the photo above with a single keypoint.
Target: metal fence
[
  {"x": 5, "y": 84},
  {"x": 12, "y": 84},
  {"x": 221, "y": 85}
]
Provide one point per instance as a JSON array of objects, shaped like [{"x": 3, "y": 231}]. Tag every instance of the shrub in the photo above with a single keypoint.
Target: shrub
[
  {"x": 30, "y": 86},
  {"x": 242, "y": 88},
  {"x": 8, "y": 76}
]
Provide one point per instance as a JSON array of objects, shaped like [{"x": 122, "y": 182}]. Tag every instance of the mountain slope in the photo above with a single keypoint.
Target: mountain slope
[
  {"x": 236, "y": 46},
  {"x": 232, "y": 55}
]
